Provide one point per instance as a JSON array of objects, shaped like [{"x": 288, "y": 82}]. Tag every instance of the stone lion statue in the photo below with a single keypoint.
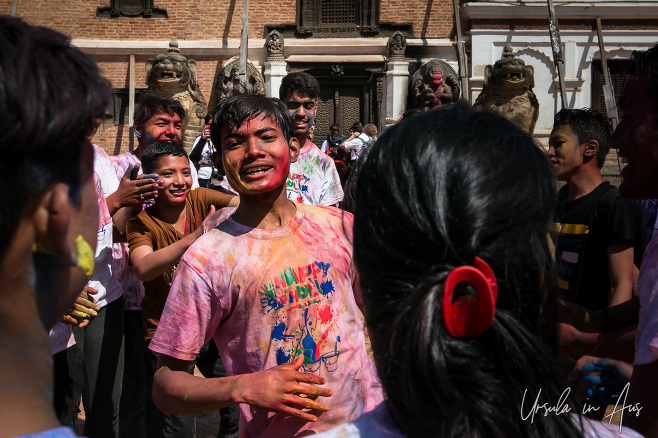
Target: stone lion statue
[
  {"x": 171, "y": 74},
  {"x": 508, "y": 91}
]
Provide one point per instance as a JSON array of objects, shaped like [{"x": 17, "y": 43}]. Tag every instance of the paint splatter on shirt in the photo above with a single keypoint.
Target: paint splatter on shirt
[
  {"x": 313, "y": 178},
  {"x": 268, "y": 296}
]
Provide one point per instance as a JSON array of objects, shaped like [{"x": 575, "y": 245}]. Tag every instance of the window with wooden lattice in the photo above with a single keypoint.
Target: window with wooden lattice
[
  {"x": 619, "y": 74},
  {"x": 131, "y": 8},
  {"x": 327, "y": 17}
]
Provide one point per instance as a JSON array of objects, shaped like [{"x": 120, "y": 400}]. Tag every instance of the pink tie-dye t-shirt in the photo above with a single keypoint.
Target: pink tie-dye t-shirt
[
  {"x": 267, "y": 296},
  {"x": 313, "y": 178}
]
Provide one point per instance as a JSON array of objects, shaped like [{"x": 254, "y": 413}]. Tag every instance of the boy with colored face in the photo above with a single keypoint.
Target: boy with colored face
[
  {"x": 158, "y": 237},
  {"x": 49, "y": 213},
  {"x": 272, "y": 283},
  {"x": 313, "y": 177}
]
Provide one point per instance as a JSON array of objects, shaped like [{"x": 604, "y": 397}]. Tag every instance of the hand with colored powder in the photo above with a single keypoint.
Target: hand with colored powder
[
  {"x": 285, "y": 389},
  {"x": 82, "y": 309}
]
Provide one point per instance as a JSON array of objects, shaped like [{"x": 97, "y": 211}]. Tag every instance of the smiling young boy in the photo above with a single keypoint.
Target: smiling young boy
[
  {"x": 273, "y": 285},
  {"x": 158, "y": 237}
]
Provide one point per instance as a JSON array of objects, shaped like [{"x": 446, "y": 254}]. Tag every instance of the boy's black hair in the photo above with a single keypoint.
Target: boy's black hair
[
  {"x": 301, "y": 82},
  {"x": 357, "y": 127},
  {"x": 151, "y": 104},
  {"x": 647, "y": 60},
  {"x": 158, "y": 150},
  {"x": 50, "y": 92},
  {"x": 587, "y": 124},
  {"x": 234, "y": 111},
  {"x": 470, "y": 184}
]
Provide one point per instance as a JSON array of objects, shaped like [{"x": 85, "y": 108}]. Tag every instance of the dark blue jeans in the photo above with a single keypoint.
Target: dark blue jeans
[
  {"x": 210, "y": 364},
  {"x": 67, "y": 373},
  {"x": 139, "y": 417},
  {"x": 101, "y": 345}
]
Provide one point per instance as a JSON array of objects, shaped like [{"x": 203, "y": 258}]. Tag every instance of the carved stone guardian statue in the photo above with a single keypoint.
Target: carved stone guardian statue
[
  {"x": 508, "y": 91},
  {"x": 173, "y": 75},
  {"x": 228, "y": 81},
  {"x": 274, "y": 44},
  {"x": 433, "y": 85}
]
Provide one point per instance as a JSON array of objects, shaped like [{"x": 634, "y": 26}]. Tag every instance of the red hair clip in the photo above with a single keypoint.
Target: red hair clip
[{"x": 469, "y": 316}]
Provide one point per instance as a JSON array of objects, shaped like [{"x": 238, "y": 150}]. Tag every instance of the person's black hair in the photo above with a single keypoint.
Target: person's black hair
[
  {"x": 411, "y": 113},
  {"x": 50, "y": 92},
  {"x": 158, "y": 150},
  {"x": 437, "y": 191},
  {"x": 647, "y": 60},
  {"x": 151, "y": 104},
  {"x": 357, "y": 127},
  {"x": 236, "y": 110},
  {"x": 334, "y": 130},
  {"x": 302, "y": 83},
  {"x": 587, "y": 124}
]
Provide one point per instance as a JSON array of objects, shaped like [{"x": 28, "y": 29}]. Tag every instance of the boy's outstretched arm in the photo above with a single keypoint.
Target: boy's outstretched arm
[
  {"x": 282, "y": 388},
  {"x": 150, "y": 264}
]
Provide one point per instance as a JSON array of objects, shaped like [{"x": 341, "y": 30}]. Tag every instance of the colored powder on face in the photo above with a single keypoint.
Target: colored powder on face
[{"x": 85, "y": 255}]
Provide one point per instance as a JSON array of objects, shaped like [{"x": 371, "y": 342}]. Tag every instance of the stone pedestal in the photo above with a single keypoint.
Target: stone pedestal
[
  {"x": 396, "y": 86},
  {"x": 274, "y": 74}
]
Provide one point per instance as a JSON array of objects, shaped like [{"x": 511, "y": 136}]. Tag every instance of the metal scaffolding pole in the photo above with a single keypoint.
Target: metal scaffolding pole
[
  {"x": 608, "y": 90},
  {"x": 244, "y": 43},
  {"x": 556, "y": 45},
  {"x": 461, "y": 53}
]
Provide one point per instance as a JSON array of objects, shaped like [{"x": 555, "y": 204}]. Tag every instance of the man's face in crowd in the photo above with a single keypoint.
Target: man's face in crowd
[
  {"x": 163, "y": 127},
  {"x": 636, "y": 139},
  {"x": 256, "y": 156},
  {"x": 565, "y": 153},
  {"x": 301, "y": 110}
]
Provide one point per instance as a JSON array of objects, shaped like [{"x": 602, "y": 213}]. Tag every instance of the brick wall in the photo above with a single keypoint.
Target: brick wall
[
  {"x": 431, "y": 19},
  {"x": 209, "y": 19}
]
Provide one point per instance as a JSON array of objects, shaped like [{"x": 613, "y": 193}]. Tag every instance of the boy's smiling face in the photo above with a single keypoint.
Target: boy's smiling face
[
  {"x": 256, "y": 156},
  {"x": 177, "y": 176},
  {"x": 301, "y": 110}
]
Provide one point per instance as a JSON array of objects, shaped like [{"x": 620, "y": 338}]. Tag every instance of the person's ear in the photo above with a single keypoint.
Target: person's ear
[
  {"x": 51, "y": 221},
  {"x": 137, "y": 131},
  {"x": 293, "y": 146},
  {"x": 591, "y": 148},
  {"x": 219, "y": 164}
]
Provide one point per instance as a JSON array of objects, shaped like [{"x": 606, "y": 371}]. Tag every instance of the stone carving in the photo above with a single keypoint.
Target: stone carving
[
  {"x": 228, "y": 82},
  {"x": 173, "y": 75},
  {"x": 397, "y": 44},
  {"x": 508, "y": 91},
  {"x": 337, "y": 71},
  {"x": 274, "y": 44},
  {"x": 434, "y": 84}
]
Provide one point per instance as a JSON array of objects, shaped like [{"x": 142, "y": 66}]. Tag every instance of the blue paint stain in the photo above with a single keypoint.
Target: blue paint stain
[
  {"x": 327, "y": 287},
  {"x": 281, "y": 356},
  {"x": 323, "y": 266},
  {"x": 279, "y": 332},
  {"x": 304, "y": 188}
]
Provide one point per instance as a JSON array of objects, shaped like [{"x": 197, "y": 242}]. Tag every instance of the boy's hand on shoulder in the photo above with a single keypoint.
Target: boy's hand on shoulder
[{"x": 286, "y": 389}]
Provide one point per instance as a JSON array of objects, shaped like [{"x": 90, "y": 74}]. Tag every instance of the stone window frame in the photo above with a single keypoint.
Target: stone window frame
[
  {"x": 126, "y": 8},
  {"x": 309, "y": 19}
]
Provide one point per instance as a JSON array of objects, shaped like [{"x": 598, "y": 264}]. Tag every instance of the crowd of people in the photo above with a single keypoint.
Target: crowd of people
[{"x": 495, "y": 304}]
